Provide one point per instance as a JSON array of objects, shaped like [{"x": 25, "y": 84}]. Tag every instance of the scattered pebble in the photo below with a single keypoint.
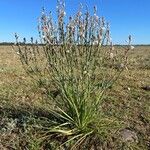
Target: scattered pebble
[
  {"x": 128, "y": 135},
  {"x": 146, "y": 88},
  {"x": 128, "y": 89}
]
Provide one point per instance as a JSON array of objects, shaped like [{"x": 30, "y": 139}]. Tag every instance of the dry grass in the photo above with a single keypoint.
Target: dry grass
[{"x": 20, "y": 100}]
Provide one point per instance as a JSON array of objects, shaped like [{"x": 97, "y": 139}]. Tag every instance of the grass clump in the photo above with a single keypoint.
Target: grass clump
[{"x": 79, "y": 61}]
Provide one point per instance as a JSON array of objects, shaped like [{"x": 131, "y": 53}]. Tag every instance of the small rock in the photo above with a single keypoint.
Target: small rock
[
  {"x": 146, "y": 88},
  {"x": 128, "y": 135},
  {"x": 128, "y": 89}
]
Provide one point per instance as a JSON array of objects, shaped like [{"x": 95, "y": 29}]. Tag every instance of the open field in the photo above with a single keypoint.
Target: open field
[{"x": 22, "y": 103}]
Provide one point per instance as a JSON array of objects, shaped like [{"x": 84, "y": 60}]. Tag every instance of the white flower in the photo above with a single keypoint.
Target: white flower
[
  {"x": 100, "y": 37},
  {"x": 18, "y": 53},
  {"x": 103, "y": 28},
  {"x": 67, "y": 51},
  {"x": 111, "y": 55},
  {"x": 113, "y": 48},
  {"x": 95, "y": 42},
  {"x": 82, "y": 35},
  {"x": 64, "y": 13},
  {"x": 132, "y": 47},
  {"x": 79, "y": 13},
  {"x": 121, "y": 65},
  {"x": 128, "y": 89},
  {"x": 85, "y": 72},
  {"x": 96, "y": 17},
  {"x": 44, "y": 36}
]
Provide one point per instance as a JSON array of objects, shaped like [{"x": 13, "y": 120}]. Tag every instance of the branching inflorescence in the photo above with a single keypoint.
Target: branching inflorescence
[{"x": 80, "y": 61}]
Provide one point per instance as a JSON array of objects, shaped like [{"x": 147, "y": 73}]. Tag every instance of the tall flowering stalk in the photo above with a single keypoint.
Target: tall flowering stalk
[{"x": 79, "y": 65}]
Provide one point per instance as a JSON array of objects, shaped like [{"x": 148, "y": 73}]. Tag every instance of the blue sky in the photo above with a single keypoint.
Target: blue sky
[{"x": 125, "y": 17}]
